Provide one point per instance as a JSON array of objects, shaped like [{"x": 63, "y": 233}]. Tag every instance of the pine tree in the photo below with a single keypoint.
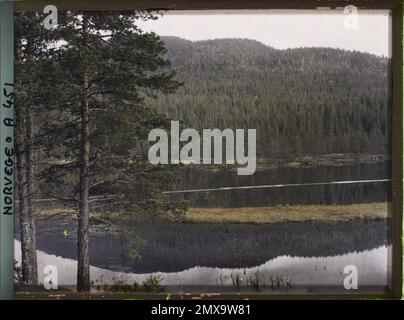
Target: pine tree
[
  {"x": 38, "y": 95},
  {"x": 32, "y": 64},
  {"x": 110, "y": 67}
]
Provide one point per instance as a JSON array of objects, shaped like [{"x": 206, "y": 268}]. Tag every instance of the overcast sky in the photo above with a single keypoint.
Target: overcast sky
[{"x": 282, "y": 28}]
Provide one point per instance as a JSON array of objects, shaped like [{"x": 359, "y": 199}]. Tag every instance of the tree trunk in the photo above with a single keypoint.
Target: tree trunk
[
  {"x": 83, "y": 269},
  {"x": 30, "y": 162},
  {"x": 28, "y": 251},
  {"x": 25, "y": 194}
]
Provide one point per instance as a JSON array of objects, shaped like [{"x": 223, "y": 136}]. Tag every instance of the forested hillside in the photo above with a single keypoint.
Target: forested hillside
[{"x": 301, "y": 101}]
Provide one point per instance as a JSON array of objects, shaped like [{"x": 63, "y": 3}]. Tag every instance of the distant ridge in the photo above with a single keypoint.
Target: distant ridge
[{"x": 302, "y": 101}]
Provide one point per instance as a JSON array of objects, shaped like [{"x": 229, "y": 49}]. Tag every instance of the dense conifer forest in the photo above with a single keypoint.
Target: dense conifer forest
[{"x": 305, "y": 101}]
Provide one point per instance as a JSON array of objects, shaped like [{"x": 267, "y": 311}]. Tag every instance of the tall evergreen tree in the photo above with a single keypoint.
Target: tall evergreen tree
[
  {"x": 110, "y": 67},
  {"x": 33, "y": 68}
]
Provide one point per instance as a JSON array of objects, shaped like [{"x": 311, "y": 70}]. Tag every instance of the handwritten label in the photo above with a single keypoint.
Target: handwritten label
[{"x": 8, "y": 152}]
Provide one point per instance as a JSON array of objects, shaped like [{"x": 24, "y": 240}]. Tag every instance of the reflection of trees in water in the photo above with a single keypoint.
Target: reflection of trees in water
[
  {"x": 174, "y": 246},
  {"x": 193, "y": 178}
]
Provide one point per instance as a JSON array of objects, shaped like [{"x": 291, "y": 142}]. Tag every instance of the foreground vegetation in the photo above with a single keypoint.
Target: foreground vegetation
[{"x": 296, "y": 213}]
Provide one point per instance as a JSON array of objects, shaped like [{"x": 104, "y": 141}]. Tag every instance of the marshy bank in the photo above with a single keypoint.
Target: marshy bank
[{"x": 283, "y": 214}]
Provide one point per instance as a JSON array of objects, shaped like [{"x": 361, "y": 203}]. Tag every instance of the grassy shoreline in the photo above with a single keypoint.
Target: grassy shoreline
[
  {"x": 283, "y": 214},
  {"x": 260, "y": 215}
]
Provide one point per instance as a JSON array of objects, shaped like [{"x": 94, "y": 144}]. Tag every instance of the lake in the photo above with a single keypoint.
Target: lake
[
  {"x": 312, "y": 256},
  {"x": 173, "y": 247},
  {"x": 179, "y": 248},
  {"x": 193, "y": 177}
]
